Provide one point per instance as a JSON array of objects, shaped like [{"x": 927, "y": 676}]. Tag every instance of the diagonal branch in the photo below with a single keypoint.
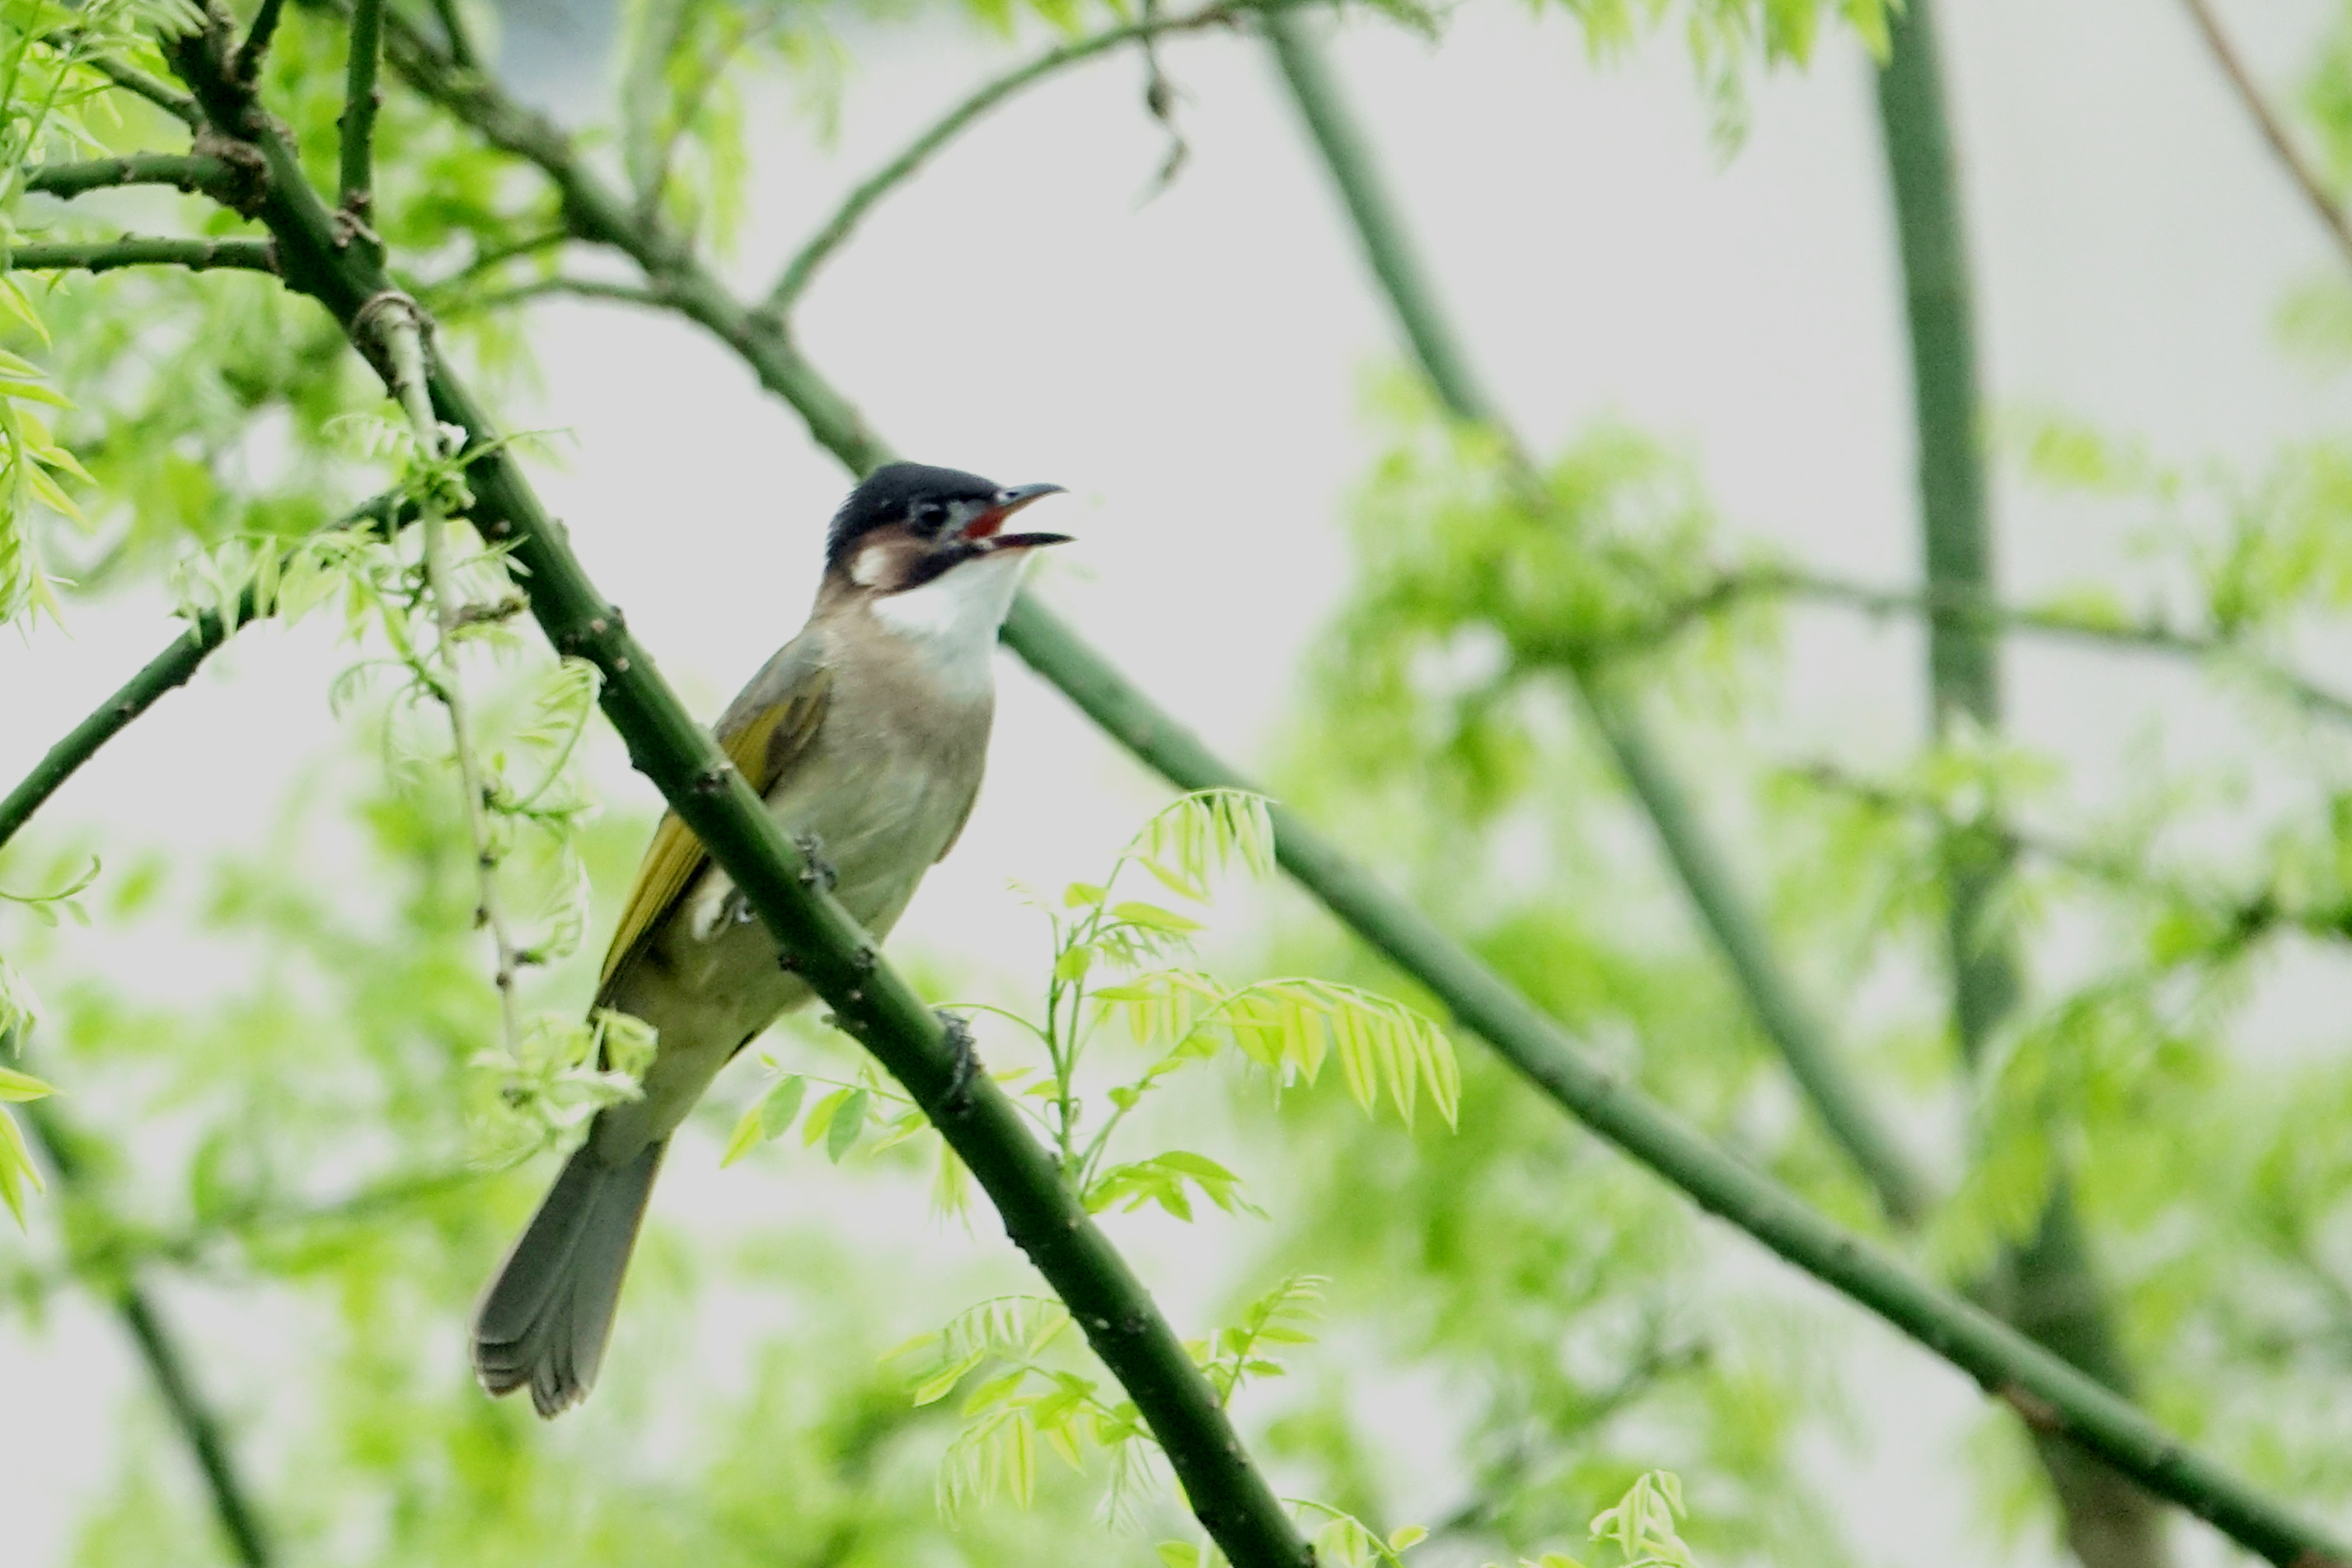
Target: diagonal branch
[
  {"x": 2051, "y": 1393},
  {"x": 165, "y": 672},
  {"x": 138, "y": 84},
  {"x": 167, "y": 1368},
  {"x": 871, "y": 1001},
  {"x": 801, "y": 269},
  {"x": 1787, "y": 1020},
  {"x": 2299, "y": 169}
]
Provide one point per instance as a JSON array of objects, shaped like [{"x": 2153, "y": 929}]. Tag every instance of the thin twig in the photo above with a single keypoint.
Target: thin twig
[
  {"x": 166, "y": 672},
  {"x": 488, "y": 261},
  {"x": 1961, "y": 607},
  {"x": 458, "y": 37},
  {"x": 2323, "y": 202},
  {"x": 801, "y": 269},
  {"x": 138, "y": 83},
  {"x": 257, "y": 39},
  {"x": 402, "y": 339},
  {"x": 362, "y": 98},
  {"x": 571, "y": 287},
  {"x": 142, "y": 250}
]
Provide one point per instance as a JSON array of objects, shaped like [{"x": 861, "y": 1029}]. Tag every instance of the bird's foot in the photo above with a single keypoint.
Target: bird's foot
[
  {"x": 967, "y": 1062},
  {"x": 818, "y": 871}
]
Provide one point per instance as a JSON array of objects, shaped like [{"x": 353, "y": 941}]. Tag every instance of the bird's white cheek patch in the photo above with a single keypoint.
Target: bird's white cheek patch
[
  {"x": 872, "y": 564},
  {"x": 954, "y": 618}
]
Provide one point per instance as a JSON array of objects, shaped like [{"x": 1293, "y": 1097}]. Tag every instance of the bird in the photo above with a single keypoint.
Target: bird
[{"x": 865, "y": 735}]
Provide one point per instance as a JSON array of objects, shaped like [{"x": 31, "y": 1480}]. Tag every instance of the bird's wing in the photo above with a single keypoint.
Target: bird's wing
[{"x": 765, "y": 732}]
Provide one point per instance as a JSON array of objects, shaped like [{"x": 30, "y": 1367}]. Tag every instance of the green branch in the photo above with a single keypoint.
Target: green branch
[
  {"x": 200, "y": 1429},
  {"x": 462, "y": 53},
  {"x": 257, "y": 39},
  {"x": 1794, "y": 1030},
  {"x": 138, "y": 83},
  {"x": 2049, "y": 1286},
  {"x": 871, "y": 1001},
  {"x": 802, "y": 268},
  {"x": 570, "y": 288},
  {"x": 1959, "y": 606},
  {"x": 142, "y": 250},
  {"x": 362, "y": 98},
  {"x": 165, "y": 672},
  {"x": 2053, "y": 1395},
  {"x": 188, "y": 171},
  {"x": 2044, "y": 1388}
]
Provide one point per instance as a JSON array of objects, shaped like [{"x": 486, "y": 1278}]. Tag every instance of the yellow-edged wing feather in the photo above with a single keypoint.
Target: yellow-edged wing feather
[{"x": 763, "y": 732}]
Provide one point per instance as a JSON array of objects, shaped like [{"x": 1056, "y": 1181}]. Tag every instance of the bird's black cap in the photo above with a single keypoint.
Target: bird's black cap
[{"x": 891, "y": 493}]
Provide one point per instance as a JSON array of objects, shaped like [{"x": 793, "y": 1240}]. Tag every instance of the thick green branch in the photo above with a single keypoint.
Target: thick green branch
[
  {"x": 188, "y": 171},
  {"x": 871, "y": 1001},
  {"x": 802, "y": 268},
  {"x": 1794, "y": 1030},
  {"x": 143, "y": 250},
  {"x": 2043, "y": 1388},
  {"x": 200, "y": 1429},
  {"x": 2048, "y": 1287},
  {"x": 166, "y": 671}
]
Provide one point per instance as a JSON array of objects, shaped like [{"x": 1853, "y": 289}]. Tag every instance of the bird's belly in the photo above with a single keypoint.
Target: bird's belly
[{"x": 712, "y": 980}]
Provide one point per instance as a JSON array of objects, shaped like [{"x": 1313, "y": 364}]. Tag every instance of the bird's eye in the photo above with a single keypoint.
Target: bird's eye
[{"x": 931, "y": 517}]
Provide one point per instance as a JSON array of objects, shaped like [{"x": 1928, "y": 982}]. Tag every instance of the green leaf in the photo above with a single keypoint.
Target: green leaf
[
  {"x": 820, "y": 1117},
  {"x": 848, "y": 1125},
  {"x": 16, "y": 1168},
  {"x": 936, "y": 1385},
  {"x": 21, "y": 1086},
  {"x": 1151, "y": 917},
  {"x": 781, "y": 1104},
  {"x": 1179, "y": 1554}
]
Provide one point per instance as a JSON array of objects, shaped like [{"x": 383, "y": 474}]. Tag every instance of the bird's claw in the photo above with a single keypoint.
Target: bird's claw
[
  {"x": 818, "y": 871},
  {"x": 967, "y": 1060}
]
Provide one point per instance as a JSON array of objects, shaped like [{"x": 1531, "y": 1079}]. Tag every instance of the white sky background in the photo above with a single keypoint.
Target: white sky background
[{"x": 1190, "y": 369}]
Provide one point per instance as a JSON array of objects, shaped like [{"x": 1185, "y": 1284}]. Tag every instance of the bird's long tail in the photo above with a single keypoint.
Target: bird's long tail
[{"x": 548, "y": 1312}]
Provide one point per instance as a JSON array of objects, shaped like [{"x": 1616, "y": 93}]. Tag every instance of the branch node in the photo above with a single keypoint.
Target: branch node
[
  {"x": 246, "y": 185},
  {"x": 381, "y": 317},
  {"x": 2038, "y": 1413}
]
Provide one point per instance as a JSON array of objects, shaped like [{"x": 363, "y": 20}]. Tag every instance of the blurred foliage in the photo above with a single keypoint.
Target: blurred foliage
[{"x": 1441, "y": 726}]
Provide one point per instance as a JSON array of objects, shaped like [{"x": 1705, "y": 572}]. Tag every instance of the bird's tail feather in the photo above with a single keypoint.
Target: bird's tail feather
[{"x": 548, "y": 1312}]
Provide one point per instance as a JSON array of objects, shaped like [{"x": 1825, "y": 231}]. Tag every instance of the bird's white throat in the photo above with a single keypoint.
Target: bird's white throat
[{"x": 952, "y": 618}]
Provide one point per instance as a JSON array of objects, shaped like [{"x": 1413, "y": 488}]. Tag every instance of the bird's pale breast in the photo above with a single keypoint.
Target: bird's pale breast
[{"x": 884, "y": 787}]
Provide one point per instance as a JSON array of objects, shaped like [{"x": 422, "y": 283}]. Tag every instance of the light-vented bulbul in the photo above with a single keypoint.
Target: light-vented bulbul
[{"x": 865, "y": 734}]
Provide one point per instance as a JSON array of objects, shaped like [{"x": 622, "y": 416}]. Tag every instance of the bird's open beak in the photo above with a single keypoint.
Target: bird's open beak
[{"x": 986, "y": 531}]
